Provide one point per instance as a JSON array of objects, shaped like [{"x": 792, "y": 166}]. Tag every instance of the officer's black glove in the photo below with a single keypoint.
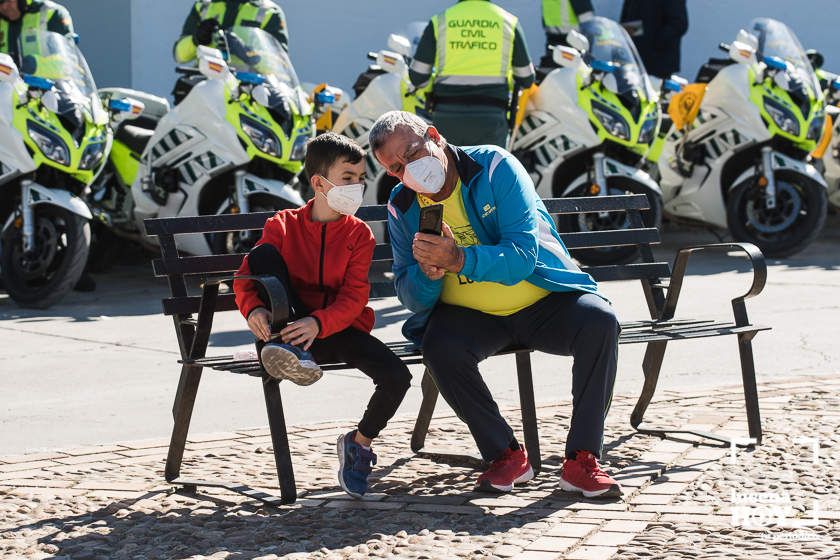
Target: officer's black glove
[{"x": 204, "y": 32}]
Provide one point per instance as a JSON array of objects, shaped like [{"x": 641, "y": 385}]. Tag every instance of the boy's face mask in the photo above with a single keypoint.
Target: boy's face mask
[{"x": 344, "y": 199}]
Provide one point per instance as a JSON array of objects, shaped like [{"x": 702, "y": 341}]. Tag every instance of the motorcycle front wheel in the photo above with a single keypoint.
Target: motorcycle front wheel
[
  {"x": 570, "y": 223},
  {"x": 42, "y": 278},
  {"x": 796, "y": 220}
]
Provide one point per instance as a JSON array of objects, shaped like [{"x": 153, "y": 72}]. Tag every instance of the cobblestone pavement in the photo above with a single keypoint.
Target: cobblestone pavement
[{"x": 682, "y": 500}]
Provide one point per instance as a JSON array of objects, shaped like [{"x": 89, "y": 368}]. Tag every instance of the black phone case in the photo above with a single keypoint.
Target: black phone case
[{"x": 431, "y": 219}]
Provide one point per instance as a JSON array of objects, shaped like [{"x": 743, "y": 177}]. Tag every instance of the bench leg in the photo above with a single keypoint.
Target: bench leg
[
  {"x": 182, "y": 413},
  {"x": 651, "y": 365},
  {"x": 529, "y": 409},
  {"x": 427, "y": 409},
  {"x": 750, "y": 389},
  {"x": 279, "y": 440}
]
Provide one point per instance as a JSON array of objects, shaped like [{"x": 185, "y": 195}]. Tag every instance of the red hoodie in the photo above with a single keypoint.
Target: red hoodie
[{"x": 328, "y": 266}]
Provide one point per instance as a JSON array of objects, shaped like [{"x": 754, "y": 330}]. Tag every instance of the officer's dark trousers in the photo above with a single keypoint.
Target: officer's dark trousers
[
  {"x": 566, "y": 323},
  {"x": 471, "y": 125}
]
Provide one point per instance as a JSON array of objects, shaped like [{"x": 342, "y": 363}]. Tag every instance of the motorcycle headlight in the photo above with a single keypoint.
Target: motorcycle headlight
[
  {"x": 265, "y": 140},
  {"x": 782, "y": 116},
  {"x": 299, "y": 148},
  {"x": 92, "y": 156},
  {"x": 648, "y": 130},
  {"x": 614, "y": 123},
  {"x": 50, "y": 145},
  {"x": 815, "y": 129}
]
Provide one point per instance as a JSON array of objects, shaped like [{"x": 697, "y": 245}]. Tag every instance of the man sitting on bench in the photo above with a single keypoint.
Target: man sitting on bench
[
  {"x": 321, "y": 253},
  {"x": 498, "y": 276}
]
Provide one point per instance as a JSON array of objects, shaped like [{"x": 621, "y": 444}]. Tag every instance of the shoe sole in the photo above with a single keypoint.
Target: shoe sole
[
  {"x": 280, "y": 363},
  {"x": 613, "y": 491},
  {"x": 499, "y": 488},
  {"x": 339, "y": 446}
]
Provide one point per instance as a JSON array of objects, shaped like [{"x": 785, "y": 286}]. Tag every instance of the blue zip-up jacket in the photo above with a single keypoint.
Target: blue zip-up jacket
[{"x": 518, "y": 238}]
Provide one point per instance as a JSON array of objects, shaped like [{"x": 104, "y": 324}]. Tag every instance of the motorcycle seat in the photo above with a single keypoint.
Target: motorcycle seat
[{"x": 134, "y": 137}]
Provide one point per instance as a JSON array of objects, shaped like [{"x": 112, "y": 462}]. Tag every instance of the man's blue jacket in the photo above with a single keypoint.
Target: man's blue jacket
[{"x": 518, "y": 238}]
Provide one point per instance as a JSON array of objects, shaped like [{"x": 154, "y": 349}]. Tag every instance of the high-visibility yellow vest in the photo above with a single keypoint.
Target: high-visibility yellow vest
[
  {"x": 474, "y": 42},
  {"x": 249, "y": 13},
  {"x": 30, "y": 20},
  {"x": 558, "y": 16}
]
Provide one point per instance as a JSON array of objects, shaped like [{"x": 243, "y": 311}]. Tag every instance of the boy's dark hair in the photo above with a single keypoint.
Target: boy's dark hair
[{"x": 326, "y": 149}]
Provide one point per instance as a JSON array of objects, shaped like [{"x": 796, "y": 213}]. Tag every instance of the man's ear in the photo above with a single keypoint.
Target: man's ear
[{"x": 434, "y": 135}]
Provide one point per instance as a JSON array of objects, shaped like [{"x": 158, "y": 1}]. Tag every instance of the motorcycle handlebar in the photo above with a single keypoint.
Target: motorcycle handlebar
[
  {"x": 724, "y": 47},
  {"x": 372, "y": 55}
]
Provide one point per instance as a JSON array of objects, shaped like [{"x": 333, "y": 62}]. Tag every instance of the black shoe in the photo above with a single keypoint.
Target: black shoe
[{"x": 85, "y": 284}]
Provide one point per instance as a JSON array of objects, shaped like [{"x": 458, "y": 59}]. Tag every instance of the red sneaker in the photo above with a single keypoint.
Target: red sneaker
[
  {"x": 583, "y": 474},
  {"x": 512, "y": 468}
]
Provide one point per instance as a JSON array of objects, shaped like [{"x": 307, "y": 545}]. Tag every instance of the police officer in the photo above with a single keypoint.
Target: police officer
[
  {"x": 477, "y": 51},
  {"x": 19, "y": 15},
  {"x": 558, "y": 18},
  {"x": 209, "y": 15}
]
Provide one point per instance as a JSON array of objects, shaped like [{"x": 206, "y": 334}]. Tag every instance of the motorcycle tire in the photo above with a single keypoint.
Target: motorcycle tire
[
  {"x": 615, "y": 220},
  {"x": 62, "y": 244},
  {"x": 798, "y": 218},
  {"x": 231, "y": 242}
]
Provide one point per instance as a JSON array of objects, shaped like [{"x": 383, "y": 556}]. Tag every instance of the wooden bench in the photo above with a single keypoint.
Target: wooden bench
[{"x": 193, "y": 319}]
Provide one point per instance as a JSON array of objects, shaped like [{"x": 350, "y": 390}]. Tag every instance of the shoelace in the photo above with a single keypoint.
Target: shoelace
[
  {"x": 365, "y": 458},
  {"x": 498, "y": 464},
  {"x": 592, "y": 466}
]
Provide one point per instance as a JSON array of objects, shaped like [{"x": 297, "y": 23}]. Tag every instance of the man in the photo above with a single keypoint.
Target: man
[
  {"x": 478, "y": 52},
  {"x": 657, "y": 27},
  {"x": 558, "y": 18},
  {"x": 498, "y": 276},
  {"x": 19, "y": 15},
  {"x": 209, "y": 15}
]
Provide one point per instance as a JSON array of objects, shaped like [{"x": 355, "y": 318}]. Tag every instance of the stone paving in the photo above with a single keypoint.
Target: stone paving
[{"x": 682, "y": 500}]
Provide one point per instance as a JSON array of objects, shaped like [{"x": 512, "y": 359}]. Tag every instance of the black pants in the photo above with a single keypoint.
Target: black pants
[
  {"x": 471, "y": 125},
  {"x": 359, "y": 349},
  {"x": 567, "y": 323}
]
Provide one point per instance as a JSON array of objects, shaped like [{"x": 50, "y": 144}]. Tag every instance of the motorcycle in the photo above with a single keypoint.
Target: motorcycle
[
  {"x": 587, "y": 128},
  {"x": 54, "y": 138},
  {"x": 234, "y": 144},
  {"x": 742, "y": 161},
  {"x": 828, "y": 149},
  {"x": 384, "y": 86}
]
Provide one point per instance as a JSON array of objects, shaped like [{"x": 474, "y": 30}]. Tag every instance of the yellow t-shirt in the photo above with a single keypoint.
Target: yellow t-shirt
[{"x": 487, "y": 297}]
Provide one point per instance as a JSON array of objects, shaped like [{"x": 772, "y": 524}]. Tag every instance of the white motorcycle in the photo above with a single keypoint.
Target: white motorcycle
[
  {"x": 831, "y": 156},
  {"x": 587, "y": 128},
  {"x": 234, "y": 144},
  {"x": 743, "y": 162}
]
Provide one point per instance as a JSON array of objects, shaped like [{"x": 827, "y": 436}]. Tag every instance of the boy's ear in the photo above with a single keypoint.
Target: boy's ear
[{"x": 314, "y": 182}]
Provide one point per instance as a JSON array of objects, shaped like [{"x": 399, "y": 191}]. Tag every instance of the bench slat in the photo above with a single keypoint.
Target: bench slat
[
  {"x": 635, "y": 271},
  {"x": 198, "y": 265},
  {"x": 610, "y": 238},
  {"x": 256, "y": 220}
]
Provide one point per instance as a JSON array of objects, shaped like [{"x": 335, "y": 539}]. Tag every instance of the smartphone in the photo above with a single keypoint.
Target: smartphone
[{"x": 431, "y": 219}]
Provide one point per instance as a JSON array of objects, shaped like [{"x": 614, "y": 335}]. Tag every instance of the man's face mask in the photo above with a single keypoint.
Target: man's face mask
[
  {"x": 425, "y": 175},
  {"x": 344, "y": 199}
]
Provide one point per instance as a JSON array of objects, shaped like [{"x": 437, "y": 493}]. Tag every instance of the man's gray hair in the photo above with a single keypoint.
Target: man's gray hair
[{"x": 388, "y": 123}]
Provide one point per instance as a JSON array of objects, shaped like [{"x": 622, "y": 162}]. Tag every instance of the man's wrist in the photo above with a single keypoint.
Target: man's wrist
[{"x": 459, "y": 263}]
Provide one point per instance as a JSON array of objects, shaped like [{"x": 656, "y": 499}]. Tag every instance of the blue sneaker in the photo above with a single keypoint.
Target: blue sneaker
[
  {"x": 285, "y": 361},
  {"x": 354, "y": 465}
]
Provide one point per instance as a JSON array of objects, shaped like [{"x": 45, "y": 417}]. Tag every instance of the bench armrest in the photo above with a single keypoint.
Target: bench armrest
[
  {"x": 759, "y": 267},
  {"x": 277, "y": 297}
]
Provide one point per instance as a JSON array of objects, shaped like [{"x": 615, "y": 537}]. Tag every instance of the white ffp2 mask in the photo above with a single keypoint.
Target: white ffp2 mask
[
  {"x": 345, "y": 199},
  {"x": 425, "y": 175}
]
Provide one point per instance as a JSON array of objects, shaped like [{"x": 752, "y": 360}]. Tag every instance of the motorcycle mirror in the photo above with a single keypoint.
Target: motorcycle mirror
[
  {"x": 566, "y": 57},
  {"x": 747, "y": 38},
  {"x": 816, "y": 58},
  {"x": 399, "y": 44},
  {"x": 211, "y": 63},
  {"x": 742, "y": 53},
  {"x": 8, "y": 69},
  {"x": 602, "y": 66},
  {"x": 50, "y": 101},
  {"x": 260, "y": 95},
  {"x": 391, "y": 62},
  {"x": 775, "y": 63},
  {"x": 577, "y": 40},
  {"x": 674, "y": 84}
]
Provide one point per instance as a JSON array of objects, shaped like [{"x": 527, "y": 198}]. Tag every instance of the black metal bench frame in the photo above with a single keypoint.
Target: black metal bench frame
[{"x": 193, "y": 319}]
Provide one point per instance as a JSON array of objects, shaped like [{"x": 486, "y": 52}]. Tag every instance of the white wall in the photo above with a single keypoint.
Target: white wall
[{"x": 329, "y": 38}]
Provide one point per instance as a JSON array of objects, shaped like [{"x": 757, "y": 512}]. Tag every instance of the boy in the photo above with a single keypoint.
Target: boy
[{"x": 322, "y": 253}]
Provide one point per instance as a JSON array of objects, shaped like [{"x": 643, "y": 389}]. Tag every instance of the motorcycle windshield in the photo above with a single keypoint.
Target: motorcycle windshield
[
  {"x": 250, "y": 49},
  {"x": 609, "y": 43},
  {"x": 775, "y": 39},
  {"x": 55, "y": 57}
]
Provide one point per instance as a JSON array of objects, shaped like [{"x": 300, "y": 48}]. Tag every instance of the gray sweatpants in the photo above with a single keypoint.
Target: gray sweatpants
[{"x": 566, "y": 323}]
